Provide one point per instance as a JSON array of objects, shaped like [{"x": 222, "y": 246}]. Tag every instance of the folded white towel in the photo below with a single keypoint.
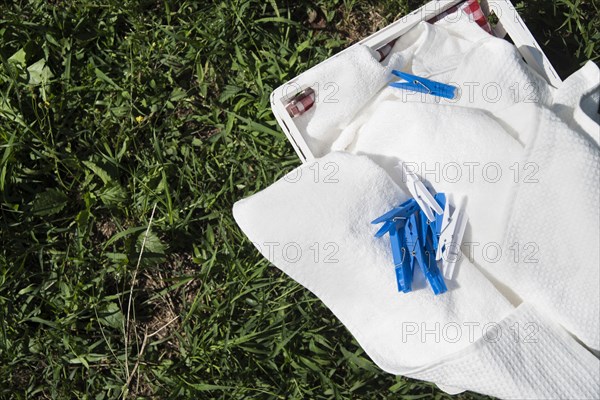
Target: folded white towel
[
  {"x": 318, "y": 232},
  {"x": 343, "y": 84},
  {"x": 346, "y": 83},
  {"x": 457, "y": 150},
  {"x": 326, "y": 243}
]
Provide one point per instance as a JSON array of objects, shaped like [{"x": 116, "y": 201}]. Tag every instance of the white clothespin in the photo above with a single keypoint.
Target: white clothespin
[
  {"x": 451, "y": 235},
  {"x": 423, "y": 197}
]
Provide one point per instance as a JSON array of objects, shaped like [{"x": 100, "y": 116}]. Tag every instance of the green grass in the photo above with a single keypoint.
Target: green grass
[{"x": 135, "y": 125}]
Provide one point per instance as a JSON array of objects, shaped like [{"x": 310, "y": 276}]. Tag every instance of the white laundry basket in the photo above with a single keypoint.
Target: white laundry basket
[{"x": 509, "y": 24}]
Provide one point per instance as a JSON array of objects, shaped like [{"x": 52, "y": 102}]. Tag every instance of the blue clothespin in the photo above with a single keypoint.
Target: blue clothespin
[
  {"x": 413, "y": 244},
  {"x": 402, "y": 260},
  {"x": 423, "y": 85},
  {"x": 394, "y": 222},
  {"x": 428, "y": 262},
  {"x": 396, "y": 217}
]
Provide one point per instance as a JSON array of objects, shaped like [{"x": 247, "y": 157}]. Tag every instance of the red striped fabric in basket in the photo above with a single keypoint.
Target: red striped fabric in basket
[{"x": 472, "y": 9}]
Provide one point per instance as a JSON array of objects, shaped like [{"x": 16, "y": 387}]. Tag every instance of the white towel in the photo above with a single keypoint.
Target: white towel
[
  {"x": 559, "y": 216},
  {"x": 347, "y": 82},
  {"x": 319, "y": 233},
  {"x": 343, "y": 85},
  {"x": 457, "y": 150},
  {"x": 360, "y": 287}
]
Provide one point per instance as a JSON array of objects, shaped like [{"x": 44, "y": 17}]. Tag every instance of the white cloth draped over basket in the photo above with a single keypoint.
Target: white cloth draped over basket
[{"x": 507, "y": 327}]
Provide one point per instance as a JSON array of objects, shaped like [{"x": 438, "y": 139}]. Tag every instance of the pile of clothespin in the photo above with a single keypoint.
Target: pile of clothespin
[{"x": 424, "y": 231}]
